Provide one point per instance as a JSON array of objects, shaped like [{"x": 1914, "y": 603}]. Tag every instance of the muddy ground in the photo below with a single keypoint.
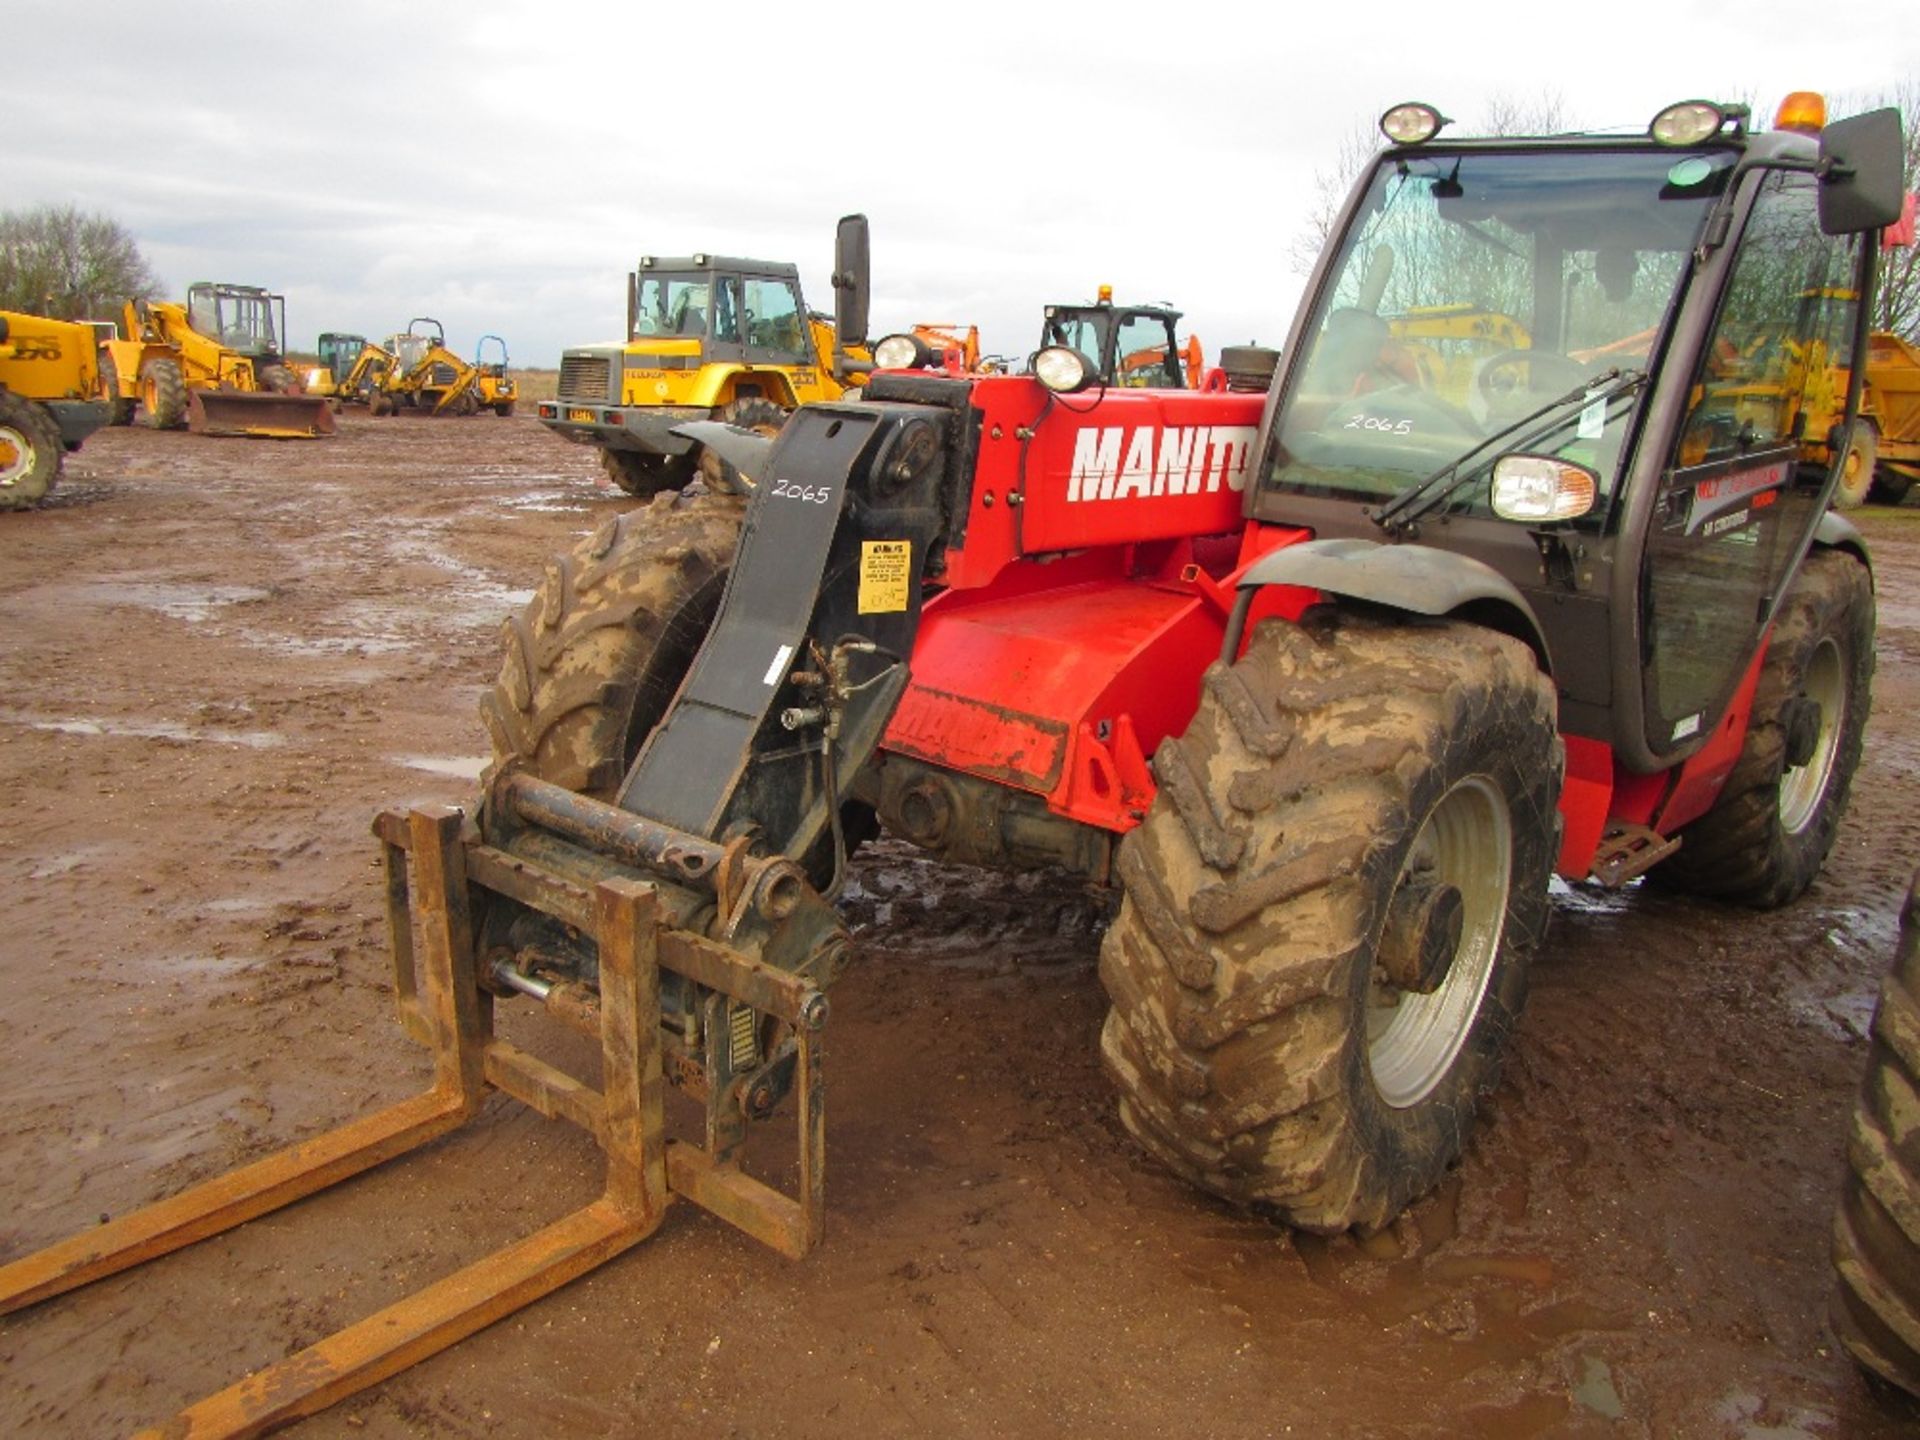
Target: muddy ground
[{"x": 219, "y": 658}]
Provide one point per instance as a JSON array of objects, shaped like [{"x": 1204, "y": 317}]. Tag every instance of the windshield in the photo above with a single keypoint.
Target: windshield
[
  {"x": 239, "y": 321},
  {"x": 1474, "y": 289},
  {"x": 672, "y": 305}
]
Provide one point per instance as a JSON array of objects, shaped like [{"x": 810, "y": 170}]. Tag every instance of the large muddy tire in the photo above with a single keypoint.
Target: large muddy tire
[
  {"x": 119, "y": 408},
  {"x": 163, "y": 394},
  {"x": 1856, "y": 466},
  {"x": 1329, "y": 912},
  {"x": 1769, "y": 832},
  {"x": 1890, "y": 486},
  {"x": 503, "y": 408},
  {"x": 753, "y": 413},
  {"x": 593, "y": 661},
  {"x": 30, "y": 452},
  {"x": 279, "y": 380},
  {"x": 643, "y": 474},
  {"x": 1876, "y": 1235}
]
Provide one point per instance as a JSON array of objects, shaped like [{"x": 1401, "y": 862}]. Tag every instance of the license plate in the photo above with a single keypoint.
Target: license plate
[{"x": 585, "y": 417}]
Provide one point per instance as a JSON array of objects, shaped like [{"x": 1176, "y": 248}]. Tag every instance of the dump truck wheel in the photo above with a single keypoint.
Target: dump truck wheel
[
  {"x": 279, "y": 380},
  {"x": 30, "y": 452},
  {"x": 1876, "y": 1234},
  {"x": 503, "y": 409},
  {"x": 593, "y": 661},
  {"x": 119, "y": 408},
  {"x": 163, "y": 394},
  {"x": 1329, "y": 911},
  {"x": 761, "y": 416},
  {"x": 1769, "y": 832},
  {"x": 1889, "y": 486},
  {"x": 1856, "y": 467},
  {"x": 643, "y": 474}
]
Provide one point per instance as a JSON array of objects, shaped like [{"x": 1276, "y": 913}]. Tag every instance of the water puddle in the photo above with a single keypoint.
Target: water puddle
[
  {"x": 457, "y": 767},
  {"x": 66, "y": 862},
  {"x": 147, "y": 730},
  {"x": 192, "y": 603}
]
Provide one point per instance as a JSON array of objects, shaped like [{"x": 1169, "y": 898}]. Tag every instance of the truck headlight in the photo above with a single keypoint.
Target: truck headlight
[
  {"x": 1538, "y": 488},
  {"x": 1063, "y": 371},
  {"x": 901, "y": 352}
]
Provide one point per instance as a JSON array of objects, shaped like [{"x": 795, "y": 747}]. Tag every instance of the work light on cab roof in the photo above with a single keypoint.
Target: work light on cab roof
[{"x": 1411, "y": 123}]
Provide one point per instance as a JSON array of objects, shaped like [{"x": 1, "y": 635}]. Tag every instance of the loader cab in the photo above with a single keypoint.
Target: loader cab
[
  {"x": 242, "y": 318},
  {"x": 1579, "y": 361},
  {"x": 1130, "y": 345},
  {"x": 735, "y": 310},
  {"x": 339, "y": 353}
]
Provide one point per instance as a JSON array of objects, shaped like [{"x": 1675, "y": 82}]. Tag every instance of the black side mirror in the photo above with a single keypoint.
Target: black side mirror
[
  {"x": 1862, "y": 184},
  {"x": 851, "y": 285}
]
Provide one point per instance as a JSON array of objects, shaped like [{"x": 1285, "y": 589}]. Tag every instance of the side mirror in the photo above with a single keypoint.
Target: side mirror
[
  {"x": 851, "y": 284},
  {"x": 1863, "y": 187}
]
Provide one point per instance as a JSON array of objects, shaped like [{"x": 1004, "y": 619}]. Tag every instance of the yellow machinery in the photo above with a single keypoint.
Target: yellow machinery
[
  {"x": 349, "y": 369},
  {"x": 215, "y": 365},
  {"x": 428, "y": 378},
  {"x": 709, "y": 337},
  {"x": 48, "y": 402}
]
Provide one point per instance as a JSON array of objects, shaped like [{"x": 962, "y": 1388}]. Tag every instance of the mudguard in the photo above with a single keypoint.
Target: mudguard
[
  {"x": 745, "y": 450},
  {"x": 1416, "y": 578},
  {"x": 1836, "y": 532}
]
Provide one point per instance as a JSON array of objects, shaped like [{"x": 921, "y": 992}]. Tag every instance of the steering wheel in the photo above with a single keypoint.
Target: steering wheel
[{"x": 1511, "y": 373}]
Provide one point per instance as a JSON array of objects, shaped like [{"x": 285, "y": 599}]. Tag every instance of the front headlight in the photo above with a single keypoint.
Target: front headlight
[
  {"x": 900, "y": 352},
  {"x": 1538, "y": 488},
  {"x": 1063, "y": 371}
]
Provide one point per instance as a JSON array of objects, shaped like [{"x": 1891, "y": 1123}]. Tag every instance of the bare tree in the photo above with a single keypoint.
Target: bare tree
[
  {"x": 1897, "y": 306},
  {"x": 58, "y": 262}
]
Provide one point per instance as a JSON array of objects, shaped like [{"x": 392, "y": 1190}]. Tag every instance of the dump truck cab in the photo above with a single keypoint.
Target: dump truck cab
[{"x": 708, "y": 336}]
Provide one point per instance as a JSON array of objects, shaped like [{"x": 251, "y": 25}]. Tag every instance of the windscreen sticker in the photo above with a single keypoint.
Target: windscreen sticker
[
  {"x": 1733, "y": 491},
  {"x": 1689, "y": 726},
  {"x": 1593, "y": 419},
  {"x": 779, "y": 666},
  {"x": 886, "y": 567}
]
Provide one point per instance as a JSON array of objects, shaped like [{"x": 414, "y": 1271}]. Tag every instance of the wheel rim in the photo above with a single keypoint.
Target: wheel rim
[
  {"x": 1803, "y": 787},
  {"x": 1413, "y": 1039},
  {"x": 16, "y": 457}
]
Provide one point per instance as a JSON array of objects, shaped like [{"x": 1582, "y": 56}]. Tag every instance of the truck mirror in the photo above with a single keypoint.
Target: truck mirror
[
  {"x": 850, "y": 280},
  {"x": 1863, "y": 189}
]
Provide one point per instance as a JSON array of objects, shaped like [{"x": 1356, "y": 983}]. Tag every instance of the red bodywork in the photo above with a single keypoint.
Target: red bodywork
[{"x": 1091, "y": 590}]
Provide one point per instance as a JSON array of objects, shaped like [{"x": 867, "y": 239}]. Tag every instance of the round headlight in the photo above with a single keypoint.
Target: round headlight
[
  {"x": 1411, "y": 123},
  {"x": 1061, "y": 370},
  {"x": 899, "y": 352},
  {"x": 1687, "y": 123}
]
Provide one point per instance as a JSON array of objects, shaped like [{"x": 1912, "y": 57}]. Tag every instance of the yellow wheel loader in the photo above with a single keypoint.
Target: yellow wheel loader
[
  {"x": 709, "y": 337},
  {"x": 48, "y": 402},
  {"x": 349, "y": 369},
  {"x": 215, "y": 365}
]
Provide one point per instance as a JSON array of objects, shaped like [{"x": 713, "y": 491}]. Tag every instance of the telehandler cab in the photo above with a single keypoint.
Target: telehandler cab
[{"x": 1329, "y": 683}]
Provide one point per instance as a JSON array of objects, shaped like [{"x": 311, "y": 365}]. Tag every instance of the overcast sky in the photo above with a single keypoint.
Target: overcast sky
[{"x": 501, "y": 167}]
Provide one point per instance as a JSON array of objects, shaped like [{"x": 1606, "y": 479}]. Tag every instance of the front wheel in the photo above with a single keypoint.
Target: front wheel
[
  {"x": 1876, "y": 1234},
  {"x": 1769, "y": 832},
  {"x": 1857, "y": 462},
  {"x": 119, "y": 408},
  {"x": 163, "y": 394},
  {"x": 30, "y": 452},
  {"x": 1328, "y": 914}
]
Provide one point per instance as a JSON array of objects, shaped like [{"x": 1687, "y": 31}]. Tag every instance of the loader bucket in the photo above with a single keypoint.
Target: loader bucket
[{"x": 259, "y": 414}]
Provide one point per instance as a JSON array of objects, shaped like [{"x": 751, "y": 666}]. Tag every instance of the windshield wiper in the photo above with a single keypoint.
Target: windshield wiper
[{"x": 1399, "y": 514}]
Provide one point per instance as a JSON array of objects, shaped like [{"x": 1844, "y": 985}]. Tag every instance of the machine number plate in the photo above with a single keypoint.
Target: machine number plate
[{"x": 585, "y": 417}]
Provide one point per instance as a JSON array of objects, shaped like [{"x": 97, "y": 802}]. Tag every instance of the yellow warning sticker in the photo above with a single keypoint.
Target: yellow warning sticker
[{"x": 885, "y": 568}]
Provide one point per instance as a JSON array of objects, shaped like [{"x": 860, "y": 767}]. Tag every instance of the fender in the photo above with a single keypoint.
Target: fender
[
  {"x": 1415, "y": 578},
  {"x": 745, "y": 450},
  {"x": 1836, "y": 532}
]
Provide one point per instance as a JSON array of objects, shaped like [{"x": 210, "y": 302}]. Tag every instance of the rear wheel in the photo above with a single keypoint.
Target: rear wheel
[
  {"x": 1876, "y": 1234},
  {"x": 753, "y": 413},
  {"x": 1856, "y": 466},
  {"x": 503, "y": 408},
  {"x": 30, "y": 452},
  {"x": 1769, "y": 832},
  {"x": 279, "y": 380},
  {"x": 1329, "y": 911},
  {"x": 644, "y": 474},
  {"x": 593, "y": 661},
  {"x": 1890, "y": 486},
  {"x": 119, "y": 408},
  {"x": 163, "y": 394}
]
